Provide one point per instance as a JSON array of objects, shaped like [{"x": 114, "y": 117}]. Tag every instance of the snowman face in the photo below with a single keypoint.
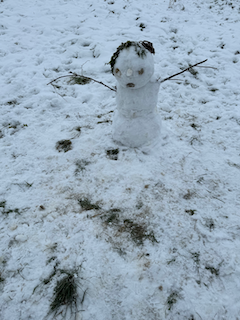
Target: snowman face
[{"x": 132, "y": 71}]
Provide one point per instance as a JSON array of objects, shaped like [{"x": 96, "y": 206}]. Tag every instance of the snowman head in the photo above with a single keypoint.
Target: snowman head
[{"x": 132, "y": 64}]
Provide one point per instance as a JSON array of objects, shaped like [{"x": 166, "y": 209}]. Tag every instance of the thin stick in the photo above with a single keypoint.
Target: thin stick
[
  {"x": 101, "y": 83},
  {"x": 176, "y": 79},
  {"x": 88, "y": 78},
  {"x": 59, "y": 78},
  {"x": 176, "y": 74},
  {"x": 207, "y": 67}
]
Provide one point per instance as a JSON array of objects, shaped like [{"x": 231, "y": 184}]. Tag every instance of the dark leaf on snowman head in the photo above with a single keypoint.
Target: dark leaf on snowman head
[
  {"x": 148, "y": 45},
  {"x": 138, "y": 48}
]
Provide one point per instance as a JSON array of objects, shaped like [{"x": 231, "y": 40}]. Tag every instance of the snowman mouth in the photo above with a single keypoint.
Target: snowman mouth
[{"x": 130, "y": 85}]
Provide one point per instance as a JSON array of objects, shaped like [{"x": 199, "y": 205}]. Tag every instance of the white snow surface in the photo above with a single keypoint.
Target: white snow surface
[{"x": 181, "y": 199}]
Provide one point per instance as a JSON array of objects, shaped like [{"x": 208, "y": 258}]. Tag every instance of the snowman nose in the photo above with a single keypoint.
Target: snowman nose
[{"x": 129, "y": 72}]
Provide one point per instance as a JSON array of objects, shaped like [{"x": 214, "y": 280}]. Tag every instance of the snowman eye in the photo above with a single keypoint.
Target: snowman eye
[
  {"x": 141, "y": 71},
  {"x": 118, "y": 72}
]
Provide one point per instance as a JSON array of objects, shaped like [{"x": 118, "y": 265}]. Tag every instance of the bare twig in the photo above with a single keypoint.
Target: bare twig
[
  {"x": 96, "y": 215},
  {"x": 207, "y": 67},
  {"x": 82, "y": 66},
  {"x": 176, "y": 74},
  {"x": 176, "y": 79},
  {"x": 69, "y": 75},
  {"x": 87, "y": 78}
]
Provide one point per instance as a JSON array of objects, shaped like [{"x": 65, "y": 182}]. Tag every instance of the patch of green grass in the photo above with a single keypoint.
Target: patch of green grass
[
  {"x": 65, "y": 294},
  {"x": 210, "y": 224},
  {"x": 142, "y": 26},
  {"x": 13, "y": 125},
  {"x": 112, "y": 216},
  {"x": 53, "y": 246},
  {"x": 120, "y": 251},
  {"x": 213, "y": 89},
  {"x": 64, "y": 145},
  {"x": 16, "y": 210},
  {"x": 86, "y": 204},
  {"x": 222, "y": 45},
  {"x": 5, "y": 210},
  {"x": 193, "y": 71},
  {"x": 190, "y": 212},
  {"x": 112, "y": 154},
  {"x": 236, "y": 119},
  {"x": 171, "y": 261},
  {"x": 23, "y": 185},
  {"x": 28, "y": 185},
  {"x": 66, "y": 297},
  {"x": 3, "y": 204},
  {"x": 173, "y": 39},
  {"x": 56, "y": 70},
  {"x": 195, "y": 141},
  {"x": 51, "y": 259},
  {"x": 139, "y": 205},
  {"x": 86, "y": 44},
  {"x": 1, "y": 278},
  {"x": 200, "y": 180},
  {"x": 78, "y": 128},
  {"x": 81, "y": 80},
  {"x": 172, "y": 299},
  {"x": 12, "y": 102},
  {"x": 188, "y": 195},
  {"x": 138, "y": 232},
  {"x": 212, "y": 270},
  {"x": 232, "y": 164},
  {"x": 81, "y": 165},
  {"x": 195, "y": 257},
  {"x": 195, "y": 126}
]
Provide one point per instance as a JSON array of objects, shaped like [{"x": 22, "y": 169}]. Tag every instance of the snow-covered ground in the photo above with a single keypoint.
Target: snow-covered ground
[{"x": 150, "y": 235}]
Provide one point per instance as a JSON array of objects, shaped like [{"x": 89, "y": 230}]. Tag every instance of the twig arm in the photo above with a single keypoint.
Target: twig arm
[
  {"x": 69, "y": 75},
  {"x": 101, "y": 83},
  {"x": 176, "y": 74},
  {"x": 76, "y": 75}
]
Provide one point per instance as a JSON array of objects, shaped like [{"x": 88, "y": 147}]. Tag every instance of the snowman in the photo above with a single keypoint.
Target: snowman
[{"x": 136, "y": 122}]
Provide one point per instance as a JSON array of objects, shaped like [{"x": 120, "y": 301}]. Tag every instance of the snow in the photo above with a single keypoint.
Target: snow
[{"x": 186, "y": 192}]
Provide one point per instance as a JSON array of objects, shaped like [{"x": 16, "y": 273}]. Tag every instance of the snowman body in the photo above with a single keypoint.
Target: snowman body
[{"x": 136, "y": 122}]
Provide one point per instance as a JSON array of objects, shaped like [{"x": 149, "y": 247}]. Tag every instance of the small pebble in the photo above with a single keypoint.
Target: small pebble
[
  {"x": 21, "y": 238},
  {"x": 13, "y": 227}
]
